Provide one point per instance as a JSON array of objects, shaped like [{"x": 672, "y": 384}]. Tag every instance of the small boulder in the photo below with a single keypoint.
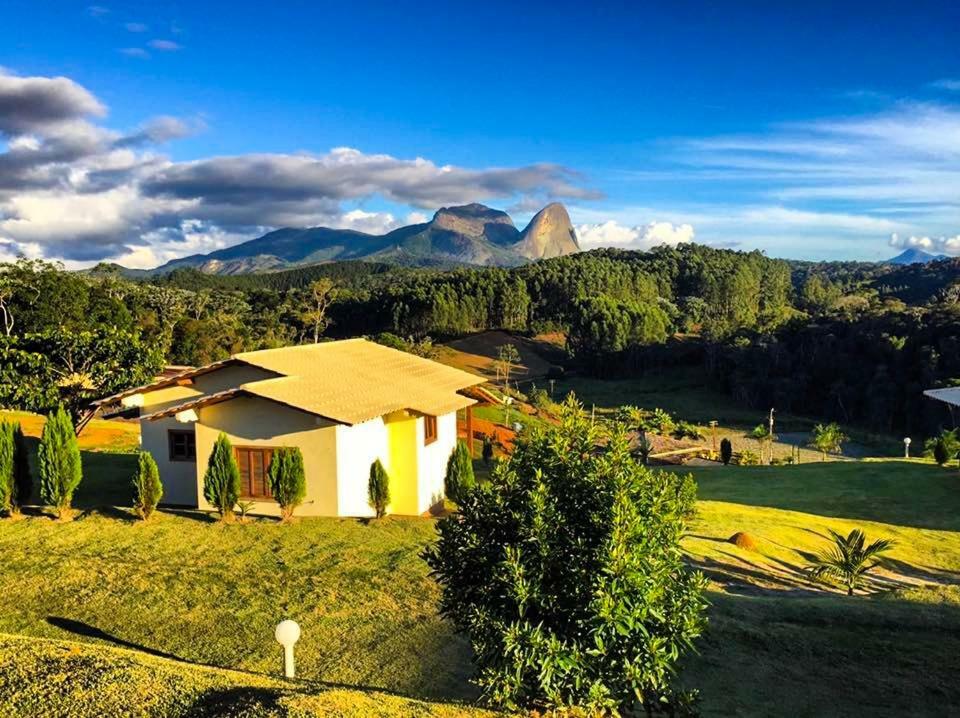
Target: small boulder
[{"x": 741, "y": 539}]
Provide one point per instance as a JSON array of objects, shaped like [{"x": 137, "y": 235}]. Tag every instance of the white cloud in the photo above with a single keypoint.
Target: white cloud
[
  {"x": 935, "y": 245},
  {"x": 646, "y": 236},
  {"x": 137, "y": 52},
  {"x": 165, "y": 45},
  {"x": 82, "y": 192},
  {"x": 947, "y": 83},
  {"x": 136, "y": 27}
]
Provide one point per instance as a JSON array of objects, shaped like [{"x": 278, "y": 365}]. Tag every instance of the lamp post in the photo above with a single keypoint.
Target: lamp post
[
  {"x": 287, "y": 633},
  {"x": 906, "y": 448}
]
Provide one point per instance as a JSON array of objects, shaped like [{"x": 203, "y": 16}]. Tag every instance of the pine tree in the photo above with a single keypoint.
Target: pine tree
[
  {"x": 288, "y": 482},
  {"x": 487, "y": 451},
  {"x": 726, "y": 451},
  {"x": 147, "y": 488},
  {"x": 378, "y": 489},
  {"x": 221, "y": 482},
  {"x": 22, "y": 477},
  {"x": 459, "y": 480},
  {"x": 7, "y": 459},
  {"x": 58, "y": 459}
]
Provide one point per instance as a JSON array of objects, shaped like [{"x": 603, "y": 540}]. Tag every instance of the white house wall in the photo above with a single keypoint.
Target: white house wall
[
  {"x": 358, "y": 447},
  {"x": 432, "y": 460}
]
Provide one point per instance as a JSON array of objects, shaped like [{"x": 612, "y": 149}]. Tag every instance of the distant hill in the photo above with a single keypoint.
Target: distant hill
[
  {"x": 471, "y": 234},
  {"x": 915, "y": 256}
]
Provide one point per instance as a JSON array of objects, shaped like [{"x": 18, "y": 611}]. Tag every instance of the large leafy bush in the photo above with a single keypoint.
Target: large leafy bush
[{"x": 566, "y": 573}]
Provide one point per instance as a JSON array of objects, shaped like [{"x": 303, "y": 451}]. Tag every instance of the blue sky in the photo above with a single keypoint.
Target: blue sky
[{"x": 140, "y": 131}]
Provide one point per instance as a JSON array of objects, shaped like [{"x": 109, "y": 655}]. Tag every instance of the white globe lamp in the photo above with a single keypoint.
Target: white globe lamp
[
  {"x": 906, "y": 447},
  {"x": 287, "y": 633}
]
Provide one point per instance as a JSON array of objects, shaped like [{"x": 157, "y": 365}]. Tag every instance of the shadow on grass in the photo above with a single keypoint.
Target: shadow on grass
[
  {"x": 827, "y": 656},
  {"x": 80, "y": 628},
  {"x": 237, "y": 702},
  {"x": 193, "y": 514}
]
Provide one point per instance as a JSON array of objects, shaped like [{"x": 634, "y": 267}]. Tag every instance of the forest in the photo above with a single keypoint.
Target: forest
[{"x": 854, "y": 342}]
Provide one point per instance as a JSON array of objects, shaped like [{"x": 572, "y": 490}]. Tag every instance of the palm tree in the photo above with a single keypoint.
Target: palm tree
[
  {"x": 763, "y": 436},
  {"x": 828, "y": 439},
  {"x": 849, "y": 560}
]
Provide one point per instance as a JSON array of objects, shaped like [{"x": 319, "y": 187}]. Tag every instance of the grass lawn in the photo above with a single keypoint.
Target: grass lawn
[
  {"x": 152, "y": 614},
  {"x": 61, "y": 679}
]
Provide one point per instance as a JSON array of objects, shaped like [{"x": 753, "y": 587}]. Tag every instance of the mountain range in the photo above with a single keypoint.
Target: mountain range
[{"x": 471, "y": 234}]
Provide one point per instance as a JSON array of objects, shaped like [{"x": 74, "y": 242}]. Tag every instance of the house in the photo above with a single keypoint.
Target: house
[{"x": 343, "y": 403}]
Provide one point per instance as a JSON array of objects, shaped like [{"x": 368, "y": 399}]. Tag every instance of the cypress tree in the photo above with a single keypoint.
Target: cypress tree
[
  {"x": 22, "y": 477},
  {"x": 147, "y": 488},
  {"x": 726, "y": 451},
  {"x": 221, "y": 482},
  {"x": 378, "y": 489},
  {"x": 7, "y": 460},
  {"x": 58, "y": 459},
  {"x": 288, "y": 482},
  {"x": 459, "y": 480}
]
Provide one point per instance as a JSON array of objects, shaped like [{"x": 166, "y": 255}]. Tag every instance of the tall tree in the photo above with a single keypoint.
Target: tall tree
[{"x": 321, "y": 295}]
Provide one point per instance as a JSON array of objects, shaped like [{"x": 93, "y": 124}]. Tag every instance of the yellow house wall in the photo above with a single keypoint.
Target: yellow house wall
[
  {"x": 401, "y": 463},
  {"x": 249, "y": 421}
]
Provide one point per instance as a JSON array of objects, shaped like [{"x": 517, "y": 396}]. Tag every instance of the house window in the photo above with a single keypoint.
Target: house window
[
  {"x": 429, "y": 429},
  {"x": 253, "y": 462},
  {"x": 183, "y": 445}
]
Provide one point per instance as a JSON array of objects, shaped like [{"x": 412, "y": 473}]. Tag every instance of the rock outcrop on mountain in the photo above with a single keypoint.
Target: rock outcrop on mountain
[
  {"x": 470, "y": 234},
  {"x": 549, "y": 234}
]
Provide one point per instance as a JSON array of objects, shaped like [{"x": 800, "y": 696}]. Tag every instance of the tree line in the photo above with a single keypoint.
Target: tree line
[{"x": 835, "y": 340}]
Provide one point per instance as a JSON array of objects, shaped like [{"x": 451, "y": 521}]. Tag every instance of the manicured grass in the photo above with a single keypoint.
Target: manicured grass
[
  {"x": 98, "y": 435},
  {"x": 910, "y": 493},
  {"x": 59, "y": 679},
  {"x": 183, "y": 587},
  {"x": 686, "y": 393}
]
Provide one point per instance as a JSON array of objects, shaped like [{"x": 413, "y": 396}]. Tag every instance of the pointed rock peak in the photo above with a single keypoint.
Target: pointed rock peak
[{"x": 549, "y": 234}]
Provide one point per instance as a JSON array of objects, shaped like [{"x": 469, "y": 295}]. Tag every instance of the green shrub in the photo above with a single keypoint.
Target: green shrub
[
  {"x": 58, "y": 460},
  {"x": 943, "y": 447},
  {"x": 567, "y": 575},
  {"x": 147, "y": 489},
  {"x": 22, "y": 477},
  {"x": 726, "y": 451},
  {"x": 459, "y": 480},
  {"x": 686, "y": 430},
  {"x": 378, "y": 489},
  {"x": 644, "y": 447},
  {"x": 661, "y": 422},
  {"x": 221, "y": 482},
  {"x": 749, "y": 458},
  {"x": 7, "y": 451},
  {"x": 541, "y": 400},
  {"x": 288, "y": 482}
]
